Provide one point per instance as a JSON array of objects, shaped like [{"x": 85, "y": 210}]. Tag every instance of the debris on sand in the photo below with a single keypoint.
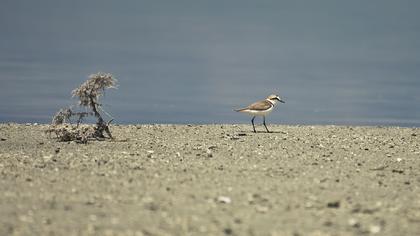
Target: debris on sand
[
  {"x": 88, "y": 93},
  {"x": 224, "y": 199}
]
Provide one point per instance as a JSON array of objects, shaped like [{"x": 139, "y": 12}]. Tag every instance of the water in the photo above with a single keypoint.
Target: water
[{"x": 334, "y": 62}]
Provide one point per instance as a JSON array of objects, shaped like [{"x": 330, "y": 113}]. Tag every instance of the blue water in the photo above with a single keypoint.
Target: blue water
[{"x": 333, "y": 62}]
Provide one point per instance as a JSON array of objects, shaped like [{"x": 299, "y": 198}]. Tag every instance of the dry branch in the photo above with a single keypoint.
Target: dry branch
[{"x": 88, "y": 94}]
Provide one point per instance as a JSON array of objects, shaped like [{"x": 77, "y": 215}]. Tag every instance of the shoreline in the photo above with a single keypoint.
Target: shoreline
[{"x": 343, "y": 124}]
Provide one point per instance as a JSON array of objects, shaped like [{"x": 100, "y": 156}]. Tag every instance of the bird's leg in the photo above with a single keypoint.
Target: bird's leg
[
  {"x": 253, "y": 126},
  {"x": 265, "y": 125}
]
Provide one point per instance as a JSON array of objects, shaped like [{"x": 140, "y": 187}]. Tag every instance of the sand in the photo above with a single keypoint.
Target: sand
[{"x": 212, "y": 180}]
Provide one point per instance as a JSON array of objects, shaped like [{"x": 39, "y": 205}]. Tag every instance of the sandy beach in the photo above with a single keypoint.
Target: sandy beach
[{"x": 212, "y": 180}]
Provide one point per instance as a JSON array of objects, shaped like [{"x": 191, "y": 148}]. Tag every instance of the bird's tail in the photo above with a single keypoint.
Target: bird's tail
[{"x": 239, "y": 110}]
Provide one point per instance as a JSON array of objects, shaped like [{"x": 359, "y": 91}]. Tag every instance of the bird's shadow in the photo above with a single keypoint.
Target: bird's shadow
[{"x": 259, "y": 132}]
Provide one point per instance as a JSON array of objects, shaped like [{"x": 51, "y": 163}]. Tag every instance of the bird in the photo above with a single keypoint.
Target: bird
[{"x": 261, "y": 108}]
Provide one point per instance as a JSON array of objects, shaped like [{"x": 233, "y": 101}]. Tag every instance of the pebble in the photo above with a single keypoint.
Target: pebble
[
  {"x": 209, "y": 153},
  {"x": 353, "y": 222},
  {"x": 334, "y": 204},
  {"x": 224, "y": 199},
  {"x": 48, "y": 157},
  {"x": 374, "y": 229},
  {"x": 150, "y": 153}
]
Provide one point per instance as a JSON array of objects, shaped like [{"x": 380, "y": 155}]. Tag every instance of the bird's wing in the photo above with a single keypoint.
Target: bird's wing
[{"x": 260, "y": 105}]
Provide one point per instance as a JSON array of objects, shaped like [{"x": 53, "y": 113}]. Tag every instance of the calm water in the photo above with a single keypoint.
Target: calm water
[{"x": 334, "y": 62}]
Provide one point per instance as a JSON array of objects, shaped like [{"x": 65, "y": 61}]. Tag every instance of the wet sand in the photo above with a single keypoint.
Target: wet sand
[{"x": 212, "y": 180}]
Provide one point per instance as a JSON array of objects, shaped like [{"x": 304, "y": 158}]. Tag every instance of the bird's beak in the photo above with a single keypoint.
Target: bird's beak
[{"x": 281, "y": 100}]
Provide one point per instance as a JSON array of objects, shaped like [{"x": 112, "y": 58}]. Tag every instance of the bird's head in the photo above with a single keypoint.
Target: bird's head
[{"x": 275, "y": 98}]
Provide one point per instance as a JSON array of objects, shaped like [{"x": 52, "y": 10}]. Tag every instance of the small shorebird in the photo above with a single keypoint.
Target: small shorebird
[{"x": 261, "y": 108}]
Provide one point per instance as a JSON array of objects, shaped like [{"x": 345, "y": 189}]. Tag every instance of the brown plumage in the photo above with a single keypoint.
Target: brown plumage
[{"x": 258, "y": 106}]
